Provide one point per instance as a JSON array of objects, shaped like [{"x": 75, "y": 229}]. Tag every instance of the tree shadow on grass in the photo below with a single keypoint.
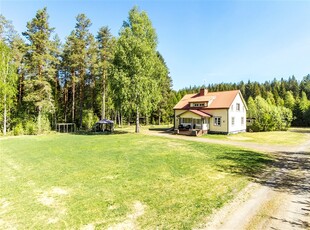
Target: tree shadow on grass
[
  {"x": 287, "y": 172},
  {"x": 300, "y": 130},
  {"x": 283, "y": 171},
  {"x": 291, "y": 173},
  {"x": 90, "y": 133},
  {"x": 243, "y": 162}
]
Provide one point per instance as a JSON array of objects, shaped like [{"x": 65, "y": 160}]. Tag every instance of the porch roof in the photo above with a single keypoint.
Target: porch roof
[{"x": 197, "y": 112}]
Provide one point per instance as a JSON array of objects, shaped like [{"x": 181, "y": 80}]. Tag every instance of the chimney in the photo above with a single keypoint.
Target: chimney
[{"x": 203, "y": 92}]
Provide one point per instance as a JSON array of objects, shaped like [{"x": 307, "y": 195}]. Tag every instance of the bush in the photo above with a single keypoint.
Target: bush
[
  {"x": 89, "y": 119},
  {"x": 45, "y": 124},
  {"x": 31, "y": 128},
  {"x": 268, "y": 117},
  {"x": 18, "y": 129}
]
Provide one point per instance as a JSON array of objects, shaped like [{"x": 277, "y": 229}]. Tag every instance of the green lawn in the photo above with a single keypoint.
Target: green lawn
[
  {"x": 100, "y": 181},
  {"x": 290, "y": 137}
]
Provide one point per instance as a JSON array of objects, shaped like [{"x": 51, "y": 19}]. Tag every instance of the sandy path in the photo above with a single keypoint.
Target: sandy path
[{"x": 278, "y": 200}]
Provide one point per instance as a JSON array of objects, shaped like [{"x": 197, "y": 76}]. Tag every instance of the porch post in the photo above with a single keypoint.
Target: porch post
[{"x": 174, "y": 120}]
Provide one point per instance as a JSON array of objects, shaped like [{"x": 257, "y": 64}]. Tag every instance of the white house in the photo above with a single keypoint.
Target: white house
[{"x": 211, "y": 112}]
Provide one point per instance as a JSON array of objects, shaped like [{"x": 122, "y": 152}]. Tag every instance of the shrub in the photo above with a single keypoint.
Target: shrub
[
  {"x": 268, "y": 117},
  {"x": 18, "y": 129},
  {"x": 45, "y": 124},
  {"x": 89, "y": 119},
  {"x": 31, "y": 128}
]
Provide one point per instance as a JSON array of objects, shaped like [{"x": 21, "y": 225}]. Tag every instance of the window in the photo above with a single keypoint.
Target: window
[
  {"x": 217, "y": 121},
  {"x": 197, "y": 121},
  {"x": 238, "y": 106},
  {"x": 232, "y": 107},
  {"x": 198, "y": 104},
  {"x": 186, "y": 120},
  {"x": 242, "y": 120},
  {"x": 232, "y": 121}
]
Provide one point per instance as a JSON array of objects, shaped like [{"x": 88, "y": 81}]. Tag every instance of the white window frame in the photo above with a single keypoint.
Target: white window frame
[
  {"x": 242, "y": 120},
  {"x": 217, "y": 121},
  {"x": 232, "y": 121}
]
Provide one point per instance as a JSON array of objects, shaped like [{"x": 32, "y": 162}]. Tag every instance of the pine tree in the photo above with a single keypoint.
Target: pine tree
[
  {"x": 69, "y": 76},
  {"x": 80, "y": 53},
  {"x": 40, "y": 68},
  {"x": 106, "y": 46}
]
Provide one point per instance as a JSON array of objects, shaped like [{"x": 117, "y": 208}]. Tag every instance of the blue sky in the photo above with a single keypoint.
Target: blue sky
[{"x": 202, "y": 41}]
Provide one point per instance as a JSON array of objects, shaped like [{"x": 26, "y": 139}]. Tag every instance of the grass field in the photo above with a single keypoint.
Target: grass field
[
  {"x": 291, "y": 137},
  {"x": 117, "y": 181}
]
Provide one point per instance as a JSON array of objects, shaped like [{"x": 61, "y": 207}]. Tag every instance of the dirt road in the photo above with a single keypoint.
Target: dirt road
[{"x": 279, "y": 199}]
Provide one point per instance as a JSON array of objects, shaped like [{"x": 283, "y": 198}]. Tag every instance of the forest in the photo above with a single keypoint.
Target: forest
[{"x": 125, "y": 78}]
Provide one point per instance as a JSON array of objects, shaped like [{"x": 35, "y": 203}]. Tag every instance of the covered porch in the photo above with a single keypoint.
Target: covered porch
[{"x": 193, "y": 122}]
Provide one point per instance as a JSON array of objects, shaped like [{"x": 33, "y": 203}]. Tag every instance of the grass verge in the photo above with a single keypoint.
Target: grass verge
[{"x": 287, "y": 138}]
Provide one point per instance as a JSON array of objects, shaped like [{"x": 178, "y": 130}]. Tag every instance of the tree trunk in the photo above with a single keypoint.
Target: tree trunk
[
  {"x": 120, "y": 121},
  {"x": 159, "y": 118},
  {"x": 6, "y": 72},
  {"x": 93, "y": 92},
  {"x": 65, "y": 102},
  {"x": 81, "y": 98},
  {"x": 56, "y": 101},
  {"x": 146, "y": 119},
  {"x": 4, "y": 114},
  {"x": 73, "y": 98},
  {"x": 39, "y": 121},
  {"x": 103, "y": 97},
  {"x": 137, "y": 121},
  {"x": 20, "y": 89}
]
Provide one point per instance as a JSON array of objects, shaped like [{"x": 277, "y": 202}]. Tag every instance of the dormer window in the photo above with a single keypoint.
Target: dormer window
[{"x": 199, "y": 104}]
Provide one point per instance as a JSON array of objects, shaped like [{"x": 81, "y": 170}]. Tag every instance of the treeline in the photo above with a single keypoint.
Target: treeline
[
  {"x": 273, "y": 105},
  {"x": 89, "y": 77}
]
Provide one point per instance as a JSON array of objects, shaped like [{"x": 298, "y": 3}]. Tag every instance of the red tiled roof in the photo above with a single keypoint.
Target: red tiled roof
[{"x": 221, "y": 100}]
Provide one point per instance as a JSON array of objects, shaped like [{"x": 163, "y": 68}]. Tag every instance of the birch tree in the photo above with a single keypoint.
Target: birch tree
[
  {"x": 135, "y": 65},
  {"x": 8, "y": 79}
]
